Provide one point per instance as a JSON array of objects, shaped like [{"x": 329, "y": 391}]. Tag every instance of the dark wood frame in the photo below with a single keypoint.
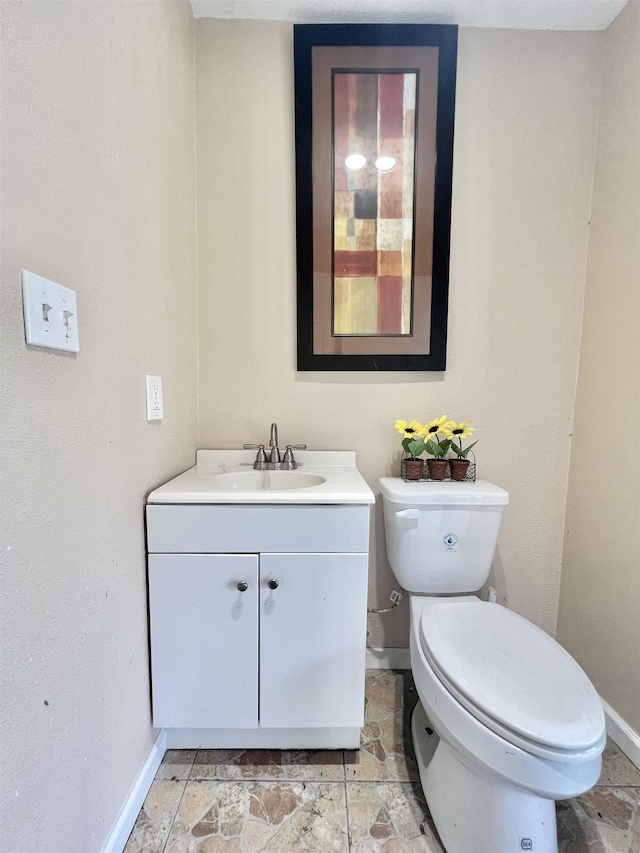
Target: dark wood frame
[{"x": 306, "y": 36}]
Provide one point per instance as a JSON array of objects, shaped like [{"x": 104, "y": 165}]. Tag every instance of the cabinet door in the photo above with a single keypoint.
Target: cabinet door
[
  {"x": 204, "y": 640},
  {"x": 312, "y": 639}
]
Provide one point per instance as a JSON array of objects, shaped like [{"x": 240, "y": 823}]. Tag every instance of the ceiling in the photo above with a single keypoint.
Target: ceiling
[{"x": 510, "y": 14}]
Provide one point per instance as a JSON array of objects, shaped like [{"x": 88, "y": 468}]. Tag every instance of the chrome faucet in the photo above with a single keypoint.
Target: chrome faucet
[
  {"x": 274, "y": 456},
  {"x": 275, "y": 461}
]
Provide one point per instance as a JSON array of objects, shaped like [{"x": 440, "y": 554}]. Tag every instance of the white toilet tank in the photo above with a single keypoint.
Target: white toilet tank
[{"x": 441, "y": 537}]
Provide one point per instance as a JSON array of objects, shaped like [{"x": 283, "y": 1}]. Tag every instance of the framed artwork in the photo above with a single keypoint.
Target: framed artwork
[{"x": 374, "y": 154}]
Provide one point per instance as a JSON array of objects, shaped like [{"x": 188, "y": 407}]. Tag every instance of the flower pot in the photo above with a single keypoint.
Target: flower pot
[
  {"x": 437, "y": 468},
  {"x": 458, "y": 468},
  {"x": 413, "y": 469}
]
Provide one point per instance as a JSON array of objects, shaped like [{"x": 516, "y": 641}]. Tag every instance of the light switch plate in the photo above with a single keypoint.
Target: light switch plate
[
  {"x": 155, "y": 408},
  {"x": 50, "y": 313}
]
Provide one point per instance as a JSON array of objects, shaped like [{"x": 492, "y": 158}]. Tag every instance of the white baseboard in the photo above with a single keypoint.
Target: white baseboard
[
  {"x": 124, "y": 824},
  {"x": 622, "y": 734},
  {"x": 388, "y": 659}
]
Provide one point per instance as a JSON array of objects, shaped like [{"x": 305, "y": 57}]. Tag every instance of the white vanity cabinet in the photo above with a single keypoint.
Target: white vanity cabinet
[{"x": 258, "y": 624}]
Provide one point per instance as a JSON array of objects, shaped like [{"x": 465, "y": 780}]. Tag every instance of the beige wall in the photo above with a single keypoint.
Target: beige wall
[
  {"x": 600, "y": 597},
  {"x": 525, "y": 141},
  {"x": 97, "y": 191},
  {"x": 98, "y": 188}
]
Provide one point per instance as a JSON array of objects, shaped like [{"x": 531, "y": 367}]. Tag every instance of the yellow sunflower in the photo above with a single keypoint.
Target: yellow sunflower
[
  {"x": 458, "y": 431},
  {"x": 410, "y": 430},
  {"x": 435, "y": 426}
]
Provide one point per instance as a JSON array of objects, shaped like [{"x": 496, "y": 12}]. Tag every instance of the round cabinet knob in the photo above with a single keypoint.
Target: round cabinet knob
[
  {"x": 243, "y": 586},
  {"x": 272, "y": 584}
]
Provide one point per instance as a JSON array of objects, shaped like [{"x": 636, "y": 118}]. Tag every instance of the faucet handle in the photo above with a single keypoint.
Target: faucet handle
[
  {"x": 261, "y": 456},
  {"x": 289, "y": 462}
]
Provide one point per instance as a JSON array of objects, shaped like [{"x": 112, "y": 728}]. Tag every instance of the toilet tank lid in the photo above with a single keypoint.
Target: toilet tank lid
[{"x": 418, "y": 493}]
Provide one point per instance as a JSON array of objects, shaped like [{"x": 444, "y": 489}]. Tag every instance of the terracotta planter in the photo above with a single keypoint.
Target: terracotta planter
[
  {"x": 437, "y": 468},
  {"x": 458, "y": 468},
  {"x": 413, "y": 469}
]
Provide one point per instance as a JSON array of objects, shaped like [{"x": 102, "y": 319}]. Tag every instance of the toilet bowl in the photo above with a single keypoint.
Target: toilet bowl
[
  {"x": 507, "y": 721},
  {"x": 489, "y": 788}
]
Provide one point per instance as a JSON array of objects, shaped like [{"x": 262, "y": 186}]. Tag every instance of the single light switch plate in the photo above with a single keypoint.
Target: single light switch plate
[
  {"x": 50, "y": 313},
  {"x": 155, "y": 408}
]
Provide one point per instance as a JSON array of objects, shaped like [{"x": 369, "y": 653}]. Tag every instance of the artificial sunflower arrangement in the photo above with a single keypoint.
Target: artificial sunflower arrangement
[{"x": 436, "y": 437}]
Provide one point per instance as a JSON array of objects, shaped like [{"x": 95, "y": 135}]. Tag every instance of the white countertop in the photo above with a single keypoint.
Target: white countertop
[{"x": 343, "y": 482}]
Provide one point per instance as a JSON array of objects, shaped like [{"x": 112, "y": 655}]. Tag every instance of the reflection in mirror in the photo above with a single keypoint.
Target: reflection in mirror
[{"x": 373, "y": 201}]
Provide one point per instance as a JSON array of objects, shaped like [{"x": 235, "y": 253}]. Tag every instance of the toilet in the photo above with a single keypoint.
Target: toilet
[{"x": 507, "y": 721}]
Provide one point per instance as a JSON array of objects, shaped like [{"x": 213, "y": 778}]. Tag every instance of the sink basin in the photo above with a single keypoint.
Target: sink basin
[
  {"x": 227, "y": 477},
  {"x": 264, "y": 481}
]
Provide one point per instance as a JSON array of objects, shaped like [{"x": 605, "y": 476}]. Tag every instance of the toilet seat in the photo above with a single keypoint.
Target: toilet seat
[{"x": 513, "y": 678}]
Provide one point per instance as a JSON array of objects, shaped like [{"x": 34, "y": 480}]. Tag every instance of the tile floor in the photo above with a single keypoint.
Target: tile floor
[{"x": 247, "y": 801}]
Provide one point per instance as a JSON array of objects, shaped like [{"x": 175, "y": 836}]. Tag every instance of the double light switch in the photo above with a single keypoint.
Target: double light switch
[{"x": 50, "y": 313}]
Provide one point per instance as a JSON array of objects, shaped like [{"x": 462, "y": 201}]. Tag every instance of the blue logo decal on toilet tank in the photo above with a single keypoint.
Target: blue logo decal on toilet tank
[{"x": 450, "y": 540}]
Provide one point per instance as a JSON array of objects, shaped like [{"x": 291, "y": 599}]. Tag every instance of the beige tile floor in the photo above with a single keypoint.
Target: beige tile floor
[{"x": 248, "y": 801}]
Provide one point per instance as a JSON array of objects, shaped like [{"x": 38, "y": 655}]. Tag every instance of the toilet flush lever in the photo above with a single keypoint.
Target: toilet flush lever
[{"x": 407, "y": 513}]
